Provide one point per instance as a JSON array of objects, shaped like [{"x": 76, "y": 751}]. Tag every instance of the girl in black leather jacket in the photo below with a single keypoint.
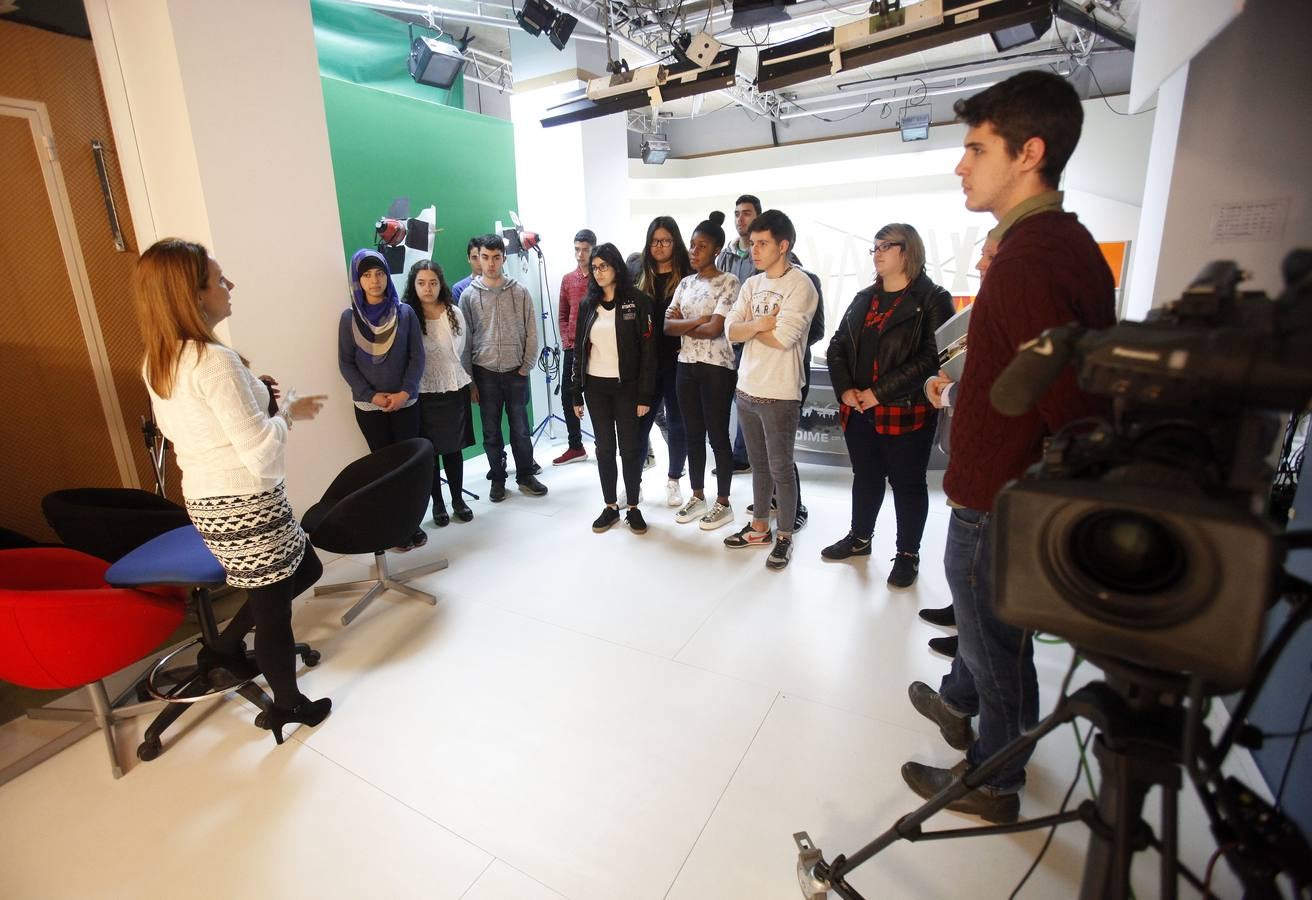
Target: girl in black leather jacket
[{"x": 879, "y": 358}]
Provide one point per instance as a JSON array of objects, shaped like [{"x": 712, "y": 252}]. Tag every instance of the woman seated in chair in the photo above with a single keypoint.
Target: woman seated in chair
[{"x": 230, "y": 437}]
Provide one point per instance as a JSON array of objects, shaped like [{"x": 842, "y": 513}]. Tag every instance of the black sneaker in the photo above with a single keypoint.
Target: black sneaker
[
  {"x": 943, "y": 617},
  {"x": 633, "y": 518},
  {"x": 498, "y": 492},
  {"x": 847, "y": 546},
  {"x": 945, "y": 645},
  {"x": 802, "y": 515},
  {"x": 780, "y": 554},
  {"x": 774, "y": 507},
  {"x": 955, "y": 729},
  {"x": 738, "y": 469},
  {"x": 609, "y": 516},
  {"x": 905, "y": 568},
  {"x": 927, "y": 781},
  {"x": 533, "y": 487}
]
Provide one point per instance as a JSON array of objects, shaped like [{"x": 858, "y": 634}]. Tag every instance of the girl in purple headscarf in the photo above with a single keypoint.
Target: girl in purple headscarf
[{"x": 380, "y": 352}]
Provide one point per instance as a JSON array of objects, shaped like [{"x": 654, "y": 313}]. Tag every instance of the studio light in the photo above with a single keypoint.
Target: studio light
[
  {"x": 536, "y": 16},
  {"x": 561, "y": 29},
  {"x": 435, "y": 63},
  {"x": 655, "y": 149},
  {"x": 915, "y": 126}
]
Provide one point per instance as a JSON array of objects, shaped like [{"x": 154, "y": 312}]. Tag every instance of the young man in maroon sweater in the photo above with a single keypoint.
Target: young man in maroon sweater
[{"x": 1048, "y": 272}]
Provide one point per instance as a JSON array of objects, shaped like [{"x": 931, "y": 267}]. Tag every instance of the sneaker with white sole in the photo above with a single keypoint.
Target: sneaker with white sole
[
  {"x": 719, "y": 514},
  {"x": 673, "y": 495},
  {"x": 747, "y": 537},
  {"x": 693, "y": 509}
]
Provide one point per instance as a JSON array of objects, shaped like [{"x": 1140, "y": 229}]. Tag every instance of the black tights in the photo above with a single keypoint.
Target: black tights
[
  {"x": 268, "y": 610},
  {"x": 454, "y": 463}
]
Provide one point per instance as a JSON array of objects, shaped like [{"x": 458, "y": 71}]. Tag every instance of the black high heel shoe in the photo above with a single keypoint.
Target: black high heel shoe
[
  {"x": 462, "y": 510},
  {"x": 307, "y": 712},
  {"x": 441, "y": 518}
]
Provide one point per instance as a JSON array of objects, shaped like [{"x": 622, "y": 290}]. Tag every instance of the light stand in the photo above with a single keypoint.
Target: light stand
[{"x": 549, "y": 359}]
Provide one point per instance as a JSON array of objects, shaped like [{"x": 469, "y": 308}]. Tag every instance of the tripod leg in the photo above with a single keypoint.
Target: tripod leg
[{"x": 908, "y": 826}]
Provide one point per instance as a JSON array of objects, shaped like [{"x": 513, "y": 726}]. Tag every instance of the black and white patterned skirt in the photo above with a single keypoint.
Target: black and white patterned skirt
[{"x": 255, "y": 537}]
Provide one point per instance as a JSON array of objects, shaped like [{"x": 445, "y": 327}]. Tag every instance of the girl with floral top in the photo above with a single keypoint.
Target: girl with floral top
[
  {"x": 707, "y": 371},
  {"x": 445, "y": 411}
]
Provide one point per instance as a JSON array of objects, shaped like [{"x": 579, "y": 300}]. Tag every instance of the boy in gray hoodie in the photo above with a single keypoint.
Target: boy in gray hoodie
[{"x": 504, "y": 340}]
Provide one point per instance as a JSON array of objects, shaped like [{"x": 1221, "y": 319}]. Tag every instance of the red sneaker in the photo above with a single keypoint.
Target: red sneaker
[{"x": 569, "y": 456}]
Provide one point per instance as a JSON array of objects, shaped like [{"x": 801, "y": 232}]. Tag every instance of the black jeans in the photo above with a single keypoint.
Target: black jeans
[
  {"x": 507, "y": 391},
  {"x": 675, "y": 436},
  {"x": 614, "y": 410},
  {"x": 268, "y": 610},
  {"x": 705, "y": 399},
  {"x": 383, "y": 429},
  {"x": 899, "y": 459},
  {"x": 571, "y": 420}
]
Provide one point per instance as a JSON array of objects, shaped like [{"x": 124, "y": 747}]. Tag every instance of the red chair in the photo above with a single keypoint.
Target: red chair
[{"x": 61, "y": 626}]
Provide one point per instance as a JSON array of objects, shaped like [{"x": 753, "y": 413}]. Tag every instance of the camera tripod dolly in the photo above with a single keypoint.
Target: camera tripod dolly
[{"x": 1143, "y": 740}]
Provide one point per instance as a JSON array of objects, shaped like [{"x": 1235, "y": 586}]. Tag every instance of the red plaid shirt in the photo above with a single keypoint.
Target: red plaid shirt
[{"x": 889, "y": 419}]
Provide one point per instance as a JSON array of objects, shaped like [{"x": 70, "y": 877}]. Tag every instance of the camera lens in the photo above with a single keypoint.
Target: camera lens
[{"x": 1127, "y": 553}]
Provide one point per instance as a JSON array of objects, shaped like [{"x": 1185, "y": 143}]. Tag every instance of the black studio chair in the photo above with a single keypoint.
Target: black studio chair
[
  {"x": 108, "y": 523},
  {"x": 376, "y": 502}
]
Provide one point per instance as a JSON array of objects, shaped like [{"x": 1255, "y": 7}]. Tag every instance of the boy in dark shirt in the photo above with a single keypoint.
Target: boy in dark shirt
[{"x": 1048, "y": 272}]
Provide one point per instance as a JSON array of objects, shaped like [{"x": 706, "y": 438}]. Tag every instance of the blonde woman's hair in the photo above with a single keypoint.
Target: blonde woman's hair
[{"x": 167, "y": 283}]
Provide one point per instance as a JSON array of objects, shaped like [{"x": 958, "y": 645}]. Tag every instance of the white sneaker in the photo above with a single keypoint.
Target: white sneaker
[
  {"x": 720, "y": 514},
  {"x": 695, "y": 508},
  {"x": 673, "y": 496}
]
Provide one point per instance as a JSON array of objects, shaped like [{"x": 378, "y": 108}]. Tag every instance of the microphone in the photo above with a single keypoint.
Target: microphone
[{"x": 1036, "y": 365}]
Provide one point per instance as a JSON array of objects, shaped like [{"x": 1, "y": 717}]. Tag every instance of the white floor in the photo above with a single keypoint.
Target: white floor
[{"x": 582, "y": 716}]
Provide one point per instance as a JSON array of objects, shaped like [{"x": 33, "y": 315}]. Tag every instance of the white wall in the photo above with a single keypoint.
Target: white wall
[
  {"x": 838, "y": 193},
  {"x": 1244, "y": 133},
  {"x": 218, "y": 110}
]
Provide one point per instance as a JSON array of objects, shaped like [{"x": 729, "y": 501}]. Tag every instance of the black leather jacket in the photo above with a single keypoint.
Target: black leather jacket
[
  {"x": 907, "y": 351},
  {"x": 634, "y": 342}
]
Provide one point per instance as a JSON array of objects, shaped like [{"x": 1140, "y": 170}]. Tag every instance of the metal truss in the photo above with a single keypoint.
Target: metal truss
[{"x": 653, "y": 43}]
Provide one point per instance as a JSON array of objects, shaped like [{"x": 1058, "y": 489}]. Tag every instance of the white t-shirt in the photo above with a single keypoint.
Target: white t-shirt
[
  {"x": 217, "y": 417},
  {"x": 765, "y": 371},
  {"x": 696, "y": 297},
  {"x": 603, "y": 355}
]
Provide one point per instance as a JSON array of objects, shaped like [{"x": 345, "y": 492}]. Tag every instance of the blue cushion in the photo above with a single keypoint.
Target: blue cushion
[{"x": 175, "y": 557}]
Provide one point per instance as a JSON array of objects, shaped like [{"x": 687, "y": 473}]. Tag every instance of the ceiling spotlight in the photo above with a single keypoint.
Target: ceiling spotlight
[
  {"x": 536, "y": 16},
  {"x": 655, "y": 149},
  {"x": 914, "y": 126},
  {"x": 436, "y": 63},
  {"x": 561, "y": 29}
]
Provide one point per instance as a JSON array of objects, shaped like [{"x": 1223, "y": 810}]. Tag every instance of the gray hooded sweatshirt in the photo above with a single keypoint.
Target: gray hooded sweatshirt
[{"x": 502, "y": 322}]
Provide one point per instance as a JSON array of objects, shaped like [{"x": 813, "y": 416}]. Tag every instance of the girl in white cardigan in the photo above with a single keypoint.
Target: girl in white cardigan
[{"x": 230, "y": 437}]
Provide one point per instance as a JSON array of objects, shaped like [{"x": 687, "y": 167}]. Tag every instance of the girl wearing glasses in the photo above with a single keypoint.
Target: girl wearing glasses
[
  {"x": 615, "y": 370},
  {"x": 664, "y": 264},
  {"x": 879, "y": 358}
]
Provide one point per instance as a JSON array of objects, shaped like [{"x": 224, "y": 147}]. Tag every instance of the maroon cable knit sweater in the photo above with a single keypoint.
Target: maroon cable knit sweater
[{"x": 1048, "y": 272}]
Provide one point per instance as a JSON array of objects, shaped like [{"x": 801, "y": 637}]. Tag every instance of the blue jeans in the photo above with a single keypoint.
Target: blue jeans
[
  {"x": 508, "y": 391},
  {"x": 667, "y": 395},
  {"x": 992, "y": 675}
]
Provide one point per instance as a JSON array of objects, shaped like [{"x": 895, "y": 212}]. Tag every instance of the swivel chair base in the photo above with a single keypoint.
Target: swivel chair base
[
  {"x": 102, "y": 716},
  {"x": 383, "y": 581}
]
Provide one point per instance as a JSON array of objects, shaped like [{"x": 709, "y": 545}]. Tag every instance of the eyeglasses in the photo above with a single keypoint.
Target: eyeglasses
[
  {"x": 885, "y": 246},
  {"x": 600, "y": 267},
  {"x": 662, "y": 242}
]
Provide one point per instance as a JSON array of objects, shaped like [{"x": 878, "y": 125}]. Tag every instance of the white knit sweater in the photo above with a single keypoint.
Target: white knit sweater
[{"x": 218, "y": 420}]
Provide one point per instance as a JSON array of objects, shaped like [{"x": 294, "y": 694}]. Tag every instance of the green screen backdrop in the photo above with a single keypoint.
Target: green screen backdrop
[{"x": 391, "y": 138}]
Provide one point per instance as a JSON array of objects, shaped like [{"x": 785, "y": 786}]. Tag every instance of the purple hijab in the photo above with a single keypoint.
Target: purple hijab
[{"x": 373, "y": 325}]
